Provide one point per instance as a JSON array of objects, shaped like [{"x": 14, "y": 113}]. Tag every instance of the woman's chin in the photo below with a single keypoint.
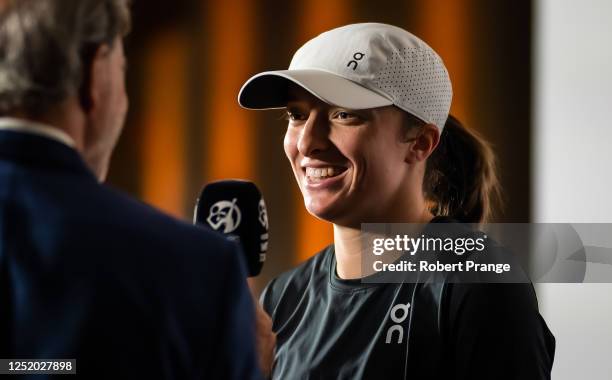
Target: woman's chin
[
  {"x": 322, "y": 209},
  {"x": 325, "y": 209}
]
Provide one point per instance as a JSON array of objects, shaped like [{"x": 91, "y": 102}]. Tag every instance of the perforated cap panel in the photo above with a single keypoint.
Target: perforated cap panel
[{"x": 417, "y": 82}]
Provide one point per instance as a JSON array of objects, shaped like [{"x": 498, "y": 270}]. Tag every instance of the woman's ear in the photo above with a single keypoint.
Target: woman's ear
[{"x": 423, "y": 144}]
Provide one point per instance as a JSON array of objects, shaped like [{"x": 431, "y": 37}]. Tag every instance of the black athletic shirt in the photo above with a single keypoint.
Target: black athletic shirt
[{"x": 330, "y": 328}]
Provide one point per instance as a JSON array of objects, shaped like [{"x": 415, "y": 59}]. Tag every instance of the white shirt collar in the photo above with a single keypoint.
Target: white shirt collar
[{"x": 39, "y": 129}]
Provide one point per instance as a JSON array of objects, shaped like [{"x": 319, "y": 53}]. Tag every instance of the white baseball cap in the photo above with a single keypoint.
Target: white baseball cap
[{"x": 361, "y": 66}]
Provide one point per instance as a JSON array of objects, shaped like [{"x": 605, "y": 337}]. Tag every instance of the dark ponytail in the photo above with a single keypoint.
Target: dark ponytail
[{"x": 461, "y": 175}]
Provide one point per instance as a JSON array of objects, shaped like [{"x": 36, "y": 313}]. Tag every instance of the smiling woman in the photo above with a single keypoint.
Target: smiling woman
[
  {"x": 324, "y": 139},
  {"x": 370, "y": 140}
]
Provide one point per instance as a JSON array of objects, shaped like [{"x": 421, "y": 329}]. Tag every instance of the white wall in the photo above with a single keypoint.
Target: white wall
[{"x": 573, "y": 167}]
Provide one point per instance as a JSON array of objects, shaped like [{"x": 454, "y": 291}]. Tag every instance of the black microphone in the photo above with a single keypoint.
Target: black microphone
[{"x": 237, "y": 209}]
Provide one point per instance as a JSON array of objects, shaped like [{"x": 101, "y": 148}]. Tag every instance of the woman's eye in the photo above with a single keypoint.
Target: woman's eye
[
  {"x": 293, "y": 116},
  {"x": 343, "y": 115}
]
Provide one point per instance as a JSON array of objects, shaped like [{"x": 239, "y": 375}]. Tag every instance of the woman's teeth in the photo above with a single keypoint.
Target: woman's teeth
[{"x": 319, "y": 173}]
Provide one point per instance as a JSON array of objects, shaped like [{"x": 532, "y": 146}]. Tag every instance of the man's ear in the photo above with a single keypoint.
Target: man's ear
[
  {"x": 424, "y": 144},
  {"x": 95, "y": 76}
]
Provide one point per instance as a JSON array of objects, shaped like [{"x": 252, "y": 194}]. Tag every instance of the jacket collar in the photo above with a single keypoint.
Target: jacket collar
[
  {"x": 41, "y": 151},
  {"x": 29, "y": 126}
]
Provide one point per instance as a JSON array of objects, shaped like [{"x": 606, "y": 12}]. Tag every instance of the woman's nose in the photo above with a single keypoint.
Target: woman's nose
[{"x": 314, "y": 137}]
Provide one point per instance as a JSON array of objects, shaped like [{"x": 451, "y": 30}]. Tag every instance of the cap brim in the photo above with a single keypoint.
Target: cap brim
[{"x": 269, "y": 90}]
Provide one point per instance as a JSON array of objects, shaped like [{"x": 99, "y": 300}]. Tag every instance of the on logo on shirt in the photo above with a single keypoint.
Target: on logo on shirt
[{"x": 402, "y": 310}]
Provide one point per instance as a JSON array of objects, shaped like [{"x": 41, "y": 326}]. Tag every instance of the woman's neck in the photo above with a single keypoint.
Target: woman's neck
[
  {"x": 348, "y": 244},
  {"x": 347, "y": 247}
]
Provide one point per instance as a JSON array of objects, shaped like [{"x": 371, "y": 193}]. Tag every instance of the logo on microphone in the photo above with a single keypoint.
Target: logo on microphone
[
  {"x": 263, "y": 214},
  {"x": 224, "y": 216}
]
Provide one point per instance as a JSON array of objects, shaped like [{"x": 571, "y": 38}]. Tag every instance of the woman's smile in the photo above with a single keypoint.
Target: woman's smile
[{"x": 322, "y": 177}]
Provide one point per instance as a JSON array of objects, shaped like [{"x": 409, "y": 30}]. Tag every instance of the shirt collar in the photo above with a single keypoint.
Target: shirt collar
[{"x": 39, "y": 129}]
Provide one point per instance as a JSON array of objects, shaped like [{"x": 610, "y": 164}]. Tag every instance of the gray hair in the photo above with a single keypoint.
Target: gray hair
[{"x": 46, "y": 47}]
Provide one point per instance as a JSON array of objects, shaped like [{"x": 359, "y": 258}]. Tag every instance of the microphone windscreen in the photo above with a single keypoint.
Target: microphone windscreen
[{"x": 237, "y": 209}]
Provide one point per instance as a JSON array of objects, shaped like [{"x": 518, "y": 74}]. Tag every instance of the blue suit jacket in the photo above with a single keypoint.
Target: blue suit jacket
[{"x": 88, "y": 273}]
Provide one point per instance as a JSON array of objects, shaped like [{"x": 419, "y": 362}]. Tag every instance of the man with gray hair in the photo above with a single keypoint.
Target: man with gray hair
[{"x": 87, "y": 273}]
